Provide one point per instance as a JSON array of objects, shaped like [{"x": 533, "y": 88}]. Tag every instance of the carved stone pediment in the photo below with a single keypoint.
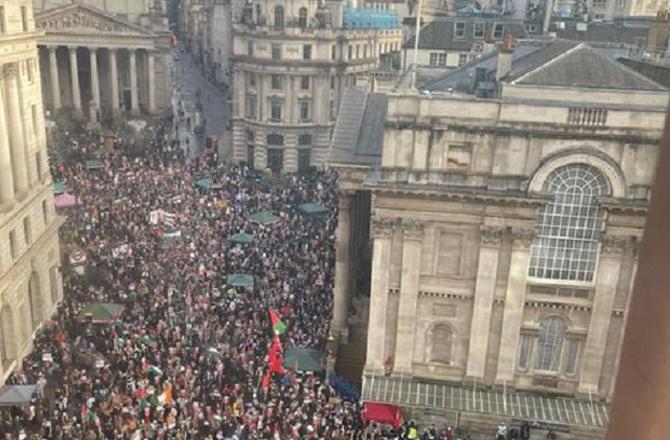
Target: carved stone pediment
[{"x": 81, "y": 19}]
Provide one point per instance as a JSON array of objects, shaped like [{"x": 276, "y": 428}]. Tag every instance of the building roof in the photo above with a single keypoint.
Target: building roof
[
  {"x": 559, "y": 63},
  {"x": 578, "y": 66},
  {"x": 358, "y": 137},
  {"x": 630, "y": 32},
  {"x": 440, "y": 34}
]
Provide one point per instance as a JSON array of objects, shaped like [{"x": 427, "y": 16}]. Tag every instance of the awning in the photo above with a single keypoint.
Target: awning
[
  {"x": 58, "y": 187},
  {"x": 313, "y": 208},
  {"x": 102, "y": 312},
  {"x": 16, "y": 395},
  {"x": 382, "y": 413},
  {"x": 66, "y": 200},
  {"x": 304, "y": 359},
  {"x": 204, "y": 183},
  {"x": 263, "y": 217},
  {"x": 240, "y": 280},
  {"x": 242, "y": 238}
]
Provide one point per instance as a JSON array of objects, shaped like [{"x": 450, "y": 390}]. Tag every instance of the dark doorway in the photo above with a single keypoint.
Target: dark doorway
[{"x": 275, "y": 159}]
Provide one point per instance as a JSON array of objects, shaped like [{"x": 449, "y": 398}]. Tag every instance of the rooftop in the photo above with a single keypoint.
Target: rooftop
[{"x": 441, "y": 34}]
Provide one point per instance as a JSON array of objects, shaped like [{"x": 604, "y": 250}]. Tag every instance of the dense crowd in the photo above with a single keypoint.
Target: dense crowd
[{"x": 187, "y": 358}]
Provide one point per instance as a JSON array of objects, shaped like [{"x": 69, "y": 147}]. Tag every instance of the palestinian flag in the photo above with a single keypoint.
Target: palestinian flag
[{"x": 278, "y": 327}]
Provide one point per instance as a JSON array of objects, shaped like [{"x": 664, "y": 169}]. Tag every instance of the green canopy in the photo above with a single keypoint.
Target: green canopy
[
  {"x": 240, "y": 280},
  {"x": 58, "y": 187},
  {"x": 242, "y": 238},
  {"x": 305, "y": 359},
  {"x": 102, "y": 312},
  {"x": 93, "y": 163},
  {"x": 313, "y": 208},
  {"x": 263, "y": 217},
  {"x": 205, "y": 182}
]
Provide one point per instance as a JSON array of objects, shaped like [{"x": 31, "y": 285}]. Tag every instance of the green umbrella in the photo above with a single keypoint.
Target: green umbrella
[
  {"x": 205, "y": 182},
  {"x": 263, "y": 217},
  {"x": 305, "y": 359},
  {"x": 154, "y": 370},
  {"x": 313, "y": 208},
  {"x": 146, "y": 340},
  {"x": 93, "y": 163},
  {"x": 102, "y": 312},
  {"x": 242, "y": 238},
  {"x": 213, "y": 351},
  {"x": 59, "y": 187}
]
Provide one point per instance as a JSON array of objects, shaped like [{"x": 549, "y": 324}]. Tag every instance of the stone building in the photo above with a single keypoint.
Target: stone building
[
  {"x": 30, "y": 281},
  {"x": 291, "y": 63},
  {"x": 103, "y": 58},
  {"x": 504, "y": 233}
]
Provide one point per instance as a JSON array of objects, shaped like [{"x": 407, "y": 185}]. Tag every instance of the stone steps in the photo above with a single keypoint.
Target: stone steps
[{"x": 351, "y": 356}]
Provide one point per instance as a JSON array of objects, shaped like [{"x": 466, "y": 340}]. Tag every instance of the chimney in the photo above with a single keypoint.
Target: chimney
[{"x": 504, "y": 60}]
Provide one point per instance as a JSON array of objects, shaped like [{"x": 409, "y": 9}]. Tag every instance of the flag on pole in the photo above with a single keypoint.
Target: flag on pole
[
  {"x": 276, "y": 357},
  {"x": 278, "y": 327}
]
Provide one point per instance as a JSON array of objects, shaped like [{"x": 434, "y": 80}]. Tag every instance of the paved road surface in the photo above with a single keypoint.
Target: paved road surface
[{"x": 188, "y": 80}]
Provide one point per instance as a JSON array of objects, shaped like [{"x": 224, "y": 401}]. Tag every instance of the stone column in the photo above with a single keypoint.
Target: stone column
[
  {"x": 95, "y": 82},
  {"x": 514, "y": 304},
  {"x": 409, "y": 292},
  {"x": 151, "y": 84},
  {"x": 134, "y": 101},
  {"x": 74, "y": 78},
  {"x": 16, "y": 139},
  {"x": 480, "y": 327},
  {"x": 382, "y": 230},
  {"x": 6, "y": 174},
  {"x": 53, "y": 76},
  {"x": 342, "y": 266},
  {"x": 114, "y": 80},
  {"x": 607, "y": 279}
]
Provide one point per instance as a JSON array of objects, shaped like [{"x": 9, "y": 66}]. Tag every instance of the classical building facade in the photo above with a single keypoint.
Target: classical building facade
[
  {"x": 30, "y": 281},
  {"x": 504, "y": 233},
  {"x": 101, "y": 59},
  {"x": 291, "y": 63}
]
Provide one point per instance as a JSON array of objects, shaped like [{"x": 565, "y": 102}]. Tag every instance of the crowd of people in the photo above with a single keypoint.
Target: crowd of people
[{"x": 187, "y": 357}]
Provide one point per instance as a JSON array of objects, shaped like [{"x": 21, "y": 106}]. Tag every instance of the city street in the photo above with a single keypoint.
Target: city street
[{"x": 190, "y": 86}]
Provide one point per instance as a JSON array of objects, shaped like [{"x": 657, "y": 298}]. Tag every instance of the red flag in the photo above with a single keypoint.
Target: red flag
[
  {"x": 276, "y": 357},
  {"x": 278, "y": 327}
]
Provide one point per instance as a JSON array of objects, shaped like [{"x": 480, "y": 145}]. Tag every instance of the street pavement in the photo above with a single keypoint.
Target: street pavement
[{"x": 190, "y": 86}]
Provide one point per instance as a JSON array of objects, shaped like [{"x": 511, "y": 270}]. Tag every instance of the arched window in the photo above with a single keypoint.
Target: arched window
[
  {"x": 279, "y": 16},
  {"x": 566, "y": 246},
  {"x": 7, "y": 340},
  {"x": 550, "y": 344},
  {"x": 441, "y": 342},
  {"x": 302, "y": 17},
  {"x": 35, "y": 297}
]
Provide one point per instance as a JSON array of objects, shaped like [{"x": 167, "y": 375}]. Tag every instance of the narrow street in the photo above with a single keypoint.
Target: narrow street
[{"x": 191, "y": 87}]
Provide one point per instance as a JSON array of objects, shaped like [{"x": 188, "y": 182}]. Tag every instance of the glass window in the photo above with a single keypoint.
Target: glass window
[
  {"x": 305, "y": 140},
  {"x": 525, "y": 345},
  {"x": 304, "y": 110},
  {"x": 566, "y": 246},
  {"x": 24, "y": 18},
  {"x": 302, "y": 17},
  {"x": 304, "y": 82},
  {"x": 275, "y": 110},
  {"x": 332, "y": 83},
  {"x": 276, "y": 51},
  {"x": 462, "y": 59},
  {"x": 2, "y": 19},
  {"x": 251, "y": 77},
  {"x": 351, "y": 51},
  {"x": 251, "y": 137},
  {"x": 438, "y": 59},
  {"x": 251, "y": 106},
  {"x": 478, "y": 30},
  {"x": 459, "y": 30},
  {"x": 250, "y": 48},
  {"x": 498, "y": 30},
  {"x": 27, "y": 230},
  {"x": 333, "y": 110},
  {"x": 333, "y": 51},
  {"x": 276, "y": 82},
  {"x": 306, "y": 51},
  {"x": 275, "y": 139},
  {"x": 279, "y": 16},
  {"x": 572, "y": 356},
  {"x": 550, "y": 344}
]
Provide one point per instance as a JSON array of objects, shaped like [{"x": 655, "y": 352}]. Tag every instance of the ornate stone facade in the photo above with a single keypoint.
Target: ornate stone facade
[
  {"x": 516, "y": 284},
  {"x": 100, "y": 65},
  {"x": 30, "y": 282},
  {"x": 291, "y": 64}
]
